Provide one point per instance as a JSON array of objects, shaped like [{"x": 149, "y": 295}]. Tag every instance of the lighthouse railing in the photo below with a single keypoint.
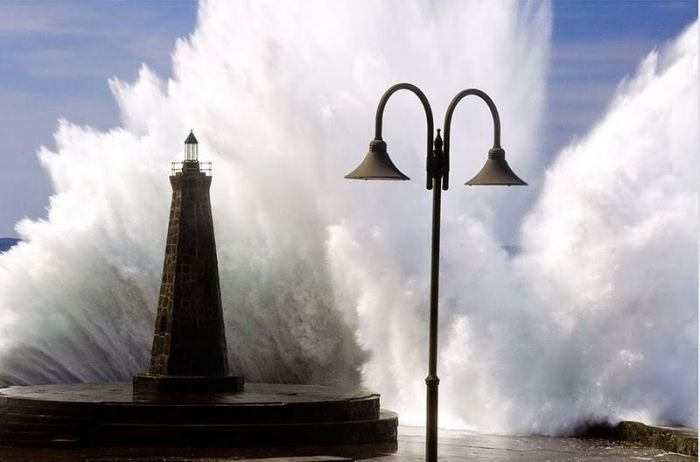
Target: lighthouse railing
[{"x": 177, "y": 167}]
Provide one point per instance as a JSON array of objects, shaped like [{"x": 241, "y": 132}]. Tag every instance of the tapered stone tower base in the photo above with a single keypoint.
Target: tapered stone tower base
[{"x": 264, "y": 415}]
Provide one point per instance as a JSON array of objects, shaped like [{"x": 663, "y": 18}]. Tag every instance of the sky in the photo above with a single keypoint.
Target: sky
[{"x": 56, "y": 58}]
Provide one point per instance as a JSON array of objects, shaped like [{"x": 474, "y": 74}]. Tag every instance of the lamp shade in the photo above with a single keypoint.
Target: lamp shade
[
  {"x": 496, "y": 171},
  {"x": 376, "y": 165}
]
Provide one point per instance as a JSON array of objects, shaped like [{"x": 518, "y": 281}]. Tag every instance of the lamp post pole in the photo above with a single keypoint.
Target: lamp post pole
[
  {"x": 432, "y": 380},
  {"x": 378, "y": 166}
]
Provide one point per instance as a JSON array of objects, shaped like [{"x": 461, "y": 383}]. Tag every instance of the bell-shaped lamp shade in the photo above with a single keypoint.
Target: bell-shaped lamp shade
[
  {"x": 377, "y": 165},
  {"x": 496, "y": 171}
]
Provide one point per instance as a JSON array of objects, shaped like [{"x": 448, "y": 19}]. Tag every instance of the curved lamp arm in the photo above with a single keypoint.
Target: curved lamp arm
[
  {"x": 428, "y": 114},
  {"x": 448, "y": 121}
]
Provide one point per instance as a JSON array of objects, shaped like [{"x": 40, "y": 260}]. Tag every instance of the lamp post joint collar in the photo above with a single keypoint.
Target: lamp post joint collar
[{"x": 497, "y": 152}]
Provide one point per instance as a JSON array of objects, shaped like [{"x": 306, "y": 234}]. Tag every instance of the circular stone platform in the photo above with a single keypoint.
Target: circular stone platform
[{"x": 262, "y": 415}]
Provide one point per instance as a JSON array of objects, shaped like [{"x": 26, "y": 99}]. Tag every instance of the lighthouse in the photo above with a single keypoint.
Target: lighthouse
[
  {"x": 189, "y": 341},
  {"x": 189, "y": 397}
]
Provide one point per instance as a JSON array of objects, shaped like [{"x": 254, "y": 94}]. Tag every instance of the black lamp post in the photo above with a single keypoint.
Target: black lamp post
[{"x": 378, "y": 166}]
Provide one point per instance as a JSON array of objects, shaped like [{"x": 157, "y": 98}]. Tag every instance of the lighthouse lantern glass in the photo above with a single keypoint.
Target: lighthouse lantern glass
[{"x": 191, "y": 152}]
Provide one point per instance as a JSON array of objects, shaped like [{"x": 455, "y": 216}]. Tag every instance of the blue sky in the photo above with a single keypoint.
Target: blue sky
[
  {"x": 596, "y": 43},
  {"x": 56, "y": 58}
]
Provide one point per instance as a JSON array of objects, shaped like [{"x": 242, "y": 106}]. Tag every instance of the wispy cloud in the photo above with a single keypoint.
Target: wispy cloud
[
  {"x": 55, "y": 60},
  {"x": 599, "y": 56},
  {"x": 583, "y": 78},
  {"x": 42, "y": 18}
]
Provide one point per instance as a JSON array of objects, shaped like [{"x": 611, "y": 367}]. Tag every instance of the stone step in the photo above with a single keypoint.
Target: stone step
[
  {"x": 214, "y": 434},
  {"x": 263, "y": 415},
  {"x": 167, "y": 413}
]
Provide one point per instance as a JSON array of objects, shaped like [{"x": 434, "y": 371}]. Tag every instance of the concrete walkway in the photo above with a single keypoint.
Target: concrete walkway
[{"x": 455, "y": 446}]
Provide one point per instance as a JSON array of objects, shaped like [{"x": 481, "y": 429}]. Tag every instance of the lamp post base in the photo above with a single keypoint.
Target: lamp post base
[{"x": 431, "y": 430}]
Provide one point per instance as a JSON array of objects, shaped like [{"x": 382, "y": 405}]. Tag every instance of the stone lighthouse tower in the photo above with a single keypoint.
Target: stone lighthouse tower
[{"x": 189, "y": 342}]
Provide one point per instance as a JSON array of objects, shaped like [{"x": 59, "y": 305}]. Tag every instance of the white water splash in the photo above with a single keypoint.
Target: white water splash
[
  {"x": 325, "y": 280},
  {"x": 614, "y": 241}
]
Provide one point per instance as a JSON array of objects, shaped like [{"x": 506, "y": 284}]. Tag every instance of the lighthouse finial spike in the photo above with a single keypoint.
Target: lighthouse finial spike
[{"x": 191, "y": 138}]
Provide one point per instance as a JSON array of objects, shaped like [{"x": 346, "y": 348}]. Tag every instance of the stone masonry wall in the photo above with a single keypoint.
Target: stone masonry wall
[{"x": 189, "y": 336}]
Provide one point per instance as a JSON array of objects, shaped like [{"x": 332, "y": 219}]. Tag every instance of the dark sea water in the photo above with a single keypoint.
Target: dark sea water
[{"x": 7, "y": 242}]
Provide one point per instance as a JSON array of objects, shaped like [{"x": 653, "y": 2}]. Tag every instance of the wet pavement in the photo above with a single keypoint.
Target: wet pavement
[
  {"x": 455, "y": 446},
  {"x": 461, "y": 446}
]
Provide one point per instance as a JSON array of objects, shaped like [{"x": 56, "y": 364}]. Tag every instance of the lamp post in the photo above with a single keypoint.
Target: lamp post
[{"x": 378, "y": 166}]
